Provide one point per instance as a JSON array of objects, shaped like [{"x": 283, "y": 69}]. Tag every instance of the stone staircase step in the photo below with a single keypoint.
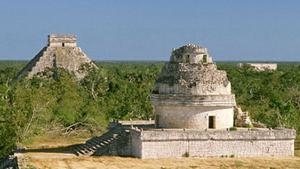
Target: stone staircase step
[{"x": 99, "y": 144}]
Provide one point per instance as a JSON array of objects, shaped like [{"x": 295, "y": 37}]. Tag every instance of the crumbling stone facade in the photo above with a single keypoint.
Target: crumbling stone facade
[{"x": 61, "y": 52}]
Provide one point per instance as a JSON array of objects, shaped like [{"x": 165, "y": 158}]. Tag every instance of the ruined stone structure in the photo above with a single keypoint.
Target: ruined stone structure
[
  {"x": 242, "y": 119},
  {"x": 192, "y": 93},
  {"x": 61, "y": 52},
  {"x": 195, "y": 111},
  {"x": 260, "y": 66}
]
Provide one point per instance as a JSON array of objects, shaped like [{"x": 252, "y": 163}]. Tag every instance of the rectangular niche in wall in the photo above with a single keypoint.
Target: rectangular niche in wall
[{"x": 211, "y": 122}]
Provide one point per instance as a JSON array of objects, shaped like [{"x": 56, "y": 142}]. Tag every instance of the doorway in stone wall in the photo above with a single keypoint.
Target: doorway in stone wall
[
  {"x": 204, "y": 58},
  {"x": 211, "y": 122}
]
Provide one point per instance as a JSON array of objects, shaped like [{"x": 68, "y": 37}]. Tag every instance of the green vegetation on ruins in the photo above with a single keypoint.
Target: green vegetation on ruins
[{"x": 121, "y": 90}]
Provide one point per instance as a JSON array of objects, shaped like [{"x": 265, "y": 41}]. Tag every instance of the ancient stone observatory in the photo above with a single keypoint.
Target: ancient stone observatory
[
  {"x": 192, "y": 93},
  {"x": 61, "y": 52},
  {"x": 194, "y": 112}
]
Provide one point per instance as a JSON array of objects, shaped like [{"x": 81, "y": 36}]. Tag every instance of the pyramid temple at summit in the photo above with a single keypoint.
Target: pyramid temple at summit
[{"x": 61, "y": 52}]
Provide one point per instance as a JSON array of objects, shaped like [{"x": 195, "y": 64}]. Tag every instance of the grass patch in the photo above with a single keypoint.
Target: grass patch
[
  {"x": 54, "y": 140},
  {"x": 238, "y": 164},
  {"x": 30, "y": 167}
]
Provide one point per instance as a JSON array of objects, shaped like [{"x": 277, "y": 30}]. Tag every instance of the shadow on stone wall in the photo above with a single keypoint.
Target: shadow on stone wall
[{"x": 10, "y": 162}]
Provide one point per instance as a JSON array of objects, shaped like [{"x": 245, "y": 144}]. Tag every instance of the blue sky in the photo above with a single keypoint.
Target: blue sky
[{"x": 148, "y": 30}]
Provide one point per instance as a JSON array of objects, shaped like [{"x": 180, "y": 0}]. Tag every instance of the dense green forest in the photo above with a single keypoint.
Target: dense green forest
[{"x": 121, "y": 90}]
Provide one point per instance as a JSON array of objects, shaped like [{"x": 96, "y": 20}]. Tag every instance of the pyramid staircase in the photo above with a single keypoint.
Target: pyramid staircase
[
  {"x": 46, "y": 60},
  {"x": 32, "y": 63},
  {"x": 101, "y": 143},
  {"x": 44, "y": 57}
]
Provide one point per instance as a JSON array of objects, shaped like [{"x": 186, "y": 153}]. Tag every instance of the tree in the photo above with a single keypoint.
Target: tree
[{"x": 7, "y": 125}]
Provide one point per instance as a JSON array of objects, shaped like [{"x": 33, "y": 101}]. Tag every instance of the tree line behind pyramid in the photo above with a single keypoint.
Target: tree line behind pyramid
[{"x": 97, "y": 94}]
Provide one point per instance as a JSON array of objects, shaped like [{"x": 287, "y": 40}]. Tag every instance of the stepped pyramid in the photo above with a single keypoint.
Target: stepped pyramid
[{"x": 61, "y": 52}]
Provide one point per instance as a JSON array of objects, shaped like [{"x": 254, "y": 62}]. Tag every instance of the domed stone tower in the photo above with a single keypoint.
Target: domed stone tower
[{"x": 192, "y": 93}]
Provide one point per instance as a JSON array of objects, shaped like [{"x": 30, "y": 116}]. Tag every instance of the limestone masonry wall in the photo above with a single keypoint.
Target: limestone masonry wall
[
  {"x": 136, "y": 143},
  {"x": 212, "y": 143},
  {"x": 55, "y": 40},
  {"x": 173, "y": 116}
]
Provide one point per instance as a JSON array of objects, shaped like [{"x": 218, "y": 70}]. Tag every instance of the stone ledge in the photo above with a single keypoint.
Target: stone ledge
[
  {"x": 177, "y": 134},
  {"x": 204, "y": 100}
]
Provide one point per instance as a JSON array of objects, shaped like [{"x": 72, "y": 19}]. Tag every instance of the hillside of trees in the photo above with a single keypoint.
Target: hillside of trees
[{"x": 121, "y": 90}]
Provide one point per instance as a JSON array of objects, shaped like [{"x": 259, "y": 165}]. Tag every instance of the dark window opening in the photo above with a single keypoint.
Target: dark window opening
[
  {"x": 204, "y": 58},
  {"x": 63, "y": 44},
  {"x": 211, "y": 122}
]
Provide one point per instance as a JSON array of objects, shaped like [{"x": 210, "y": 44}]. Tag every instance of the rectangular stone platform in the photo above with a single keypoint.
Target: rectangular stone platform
[{"x": 163, "y": 143}]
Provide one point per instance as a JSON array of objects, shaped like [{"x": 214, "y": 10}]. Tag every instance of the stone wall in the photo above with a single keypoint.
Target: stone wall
[
  {"x": 136, "y": 143},
  {"x": 197, "y": 117},
  {"x": 9, "y": 162},
  {"x": 212, "y": 143},
  {"x": 203, "y": 100},
  {"x": 55, "y": 40}
]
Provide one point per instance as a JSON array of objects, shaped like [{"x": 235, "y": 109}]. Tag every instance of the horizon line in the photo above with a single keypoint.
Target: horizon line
[{"x": 146, "y": 60}]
